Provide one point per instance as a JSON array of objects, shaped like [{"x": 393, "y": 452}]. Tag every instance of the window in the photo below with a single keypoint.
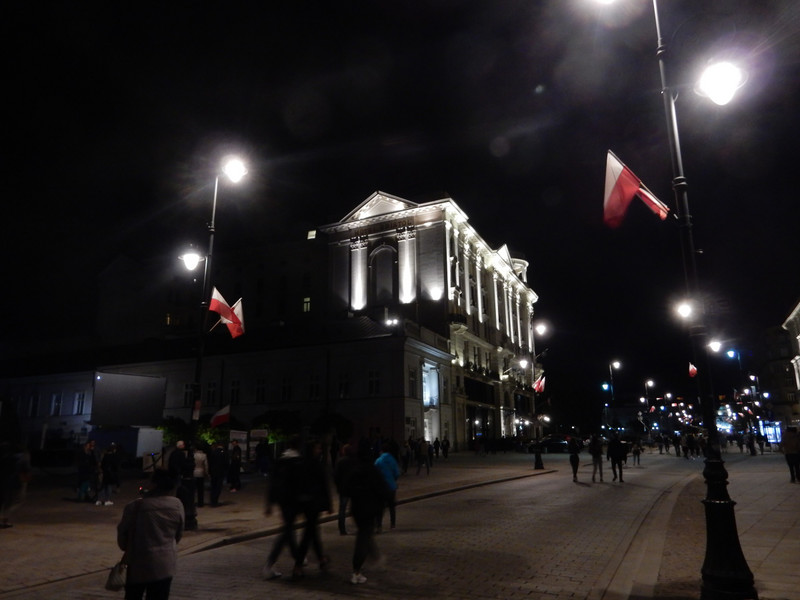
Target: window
[
  {"x": 188, "y": 395},
  {"x": 79, "y": 405},
  {"x": 211, "y": 393},
  {"x": 344, "y": 385},
  {"x": 55, "y": 404},
  {"x": 235, "y": 388},
  {"x": 374, "y": 383},
  {"x": 383, "y": 271},
  {"x": 412, "y": 383},
  {"x": 306, "y": 305},
  {"x": 286, "y": 389},
  {"x": 33, "y": 407},
  {"x": 313, "y": 387},
  {"x": 261, "y": 391}
]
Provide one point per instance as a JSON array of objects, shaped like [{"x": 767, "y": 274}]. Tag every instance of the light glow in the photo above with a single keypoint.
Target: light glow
[{"x": 720, "y": 81}]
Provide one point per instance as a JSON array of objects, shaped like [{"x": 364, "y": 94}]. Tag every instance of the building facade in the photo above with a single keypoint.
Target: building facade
[{"x": 399, "y": 318}]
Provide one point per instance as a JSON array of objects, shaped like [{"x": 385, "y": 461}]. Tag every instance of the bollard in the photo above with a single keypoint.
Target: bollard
[{"x": 538, "y": 460}]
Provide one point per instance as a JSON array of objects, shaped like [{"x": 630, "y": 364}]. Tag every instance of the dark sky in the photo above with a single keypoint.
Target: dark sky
[{"x": 119, "y": 117}]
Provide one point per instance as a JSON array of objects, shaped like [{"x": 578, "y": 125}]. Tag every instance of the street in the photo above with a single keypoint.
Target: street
[{"x": 532, "y": 537}]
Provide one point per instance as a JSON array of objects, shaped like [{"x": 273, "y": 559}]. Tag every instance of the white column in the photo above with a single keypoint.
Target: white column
[
  {"x": 467, "y": 288},
  {"x": 495, "y": 301},
  {"x": 479, "y": 286},
  {"x": 358, "y": 273},
  {"x": 407, "y": 263},
  {"x": 448, "y": 236}
]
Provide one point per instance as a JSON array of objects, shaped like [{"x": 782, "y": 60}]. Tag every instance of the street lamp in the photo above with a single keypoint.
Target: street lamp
[
  {"x": 234, "y": 169},
  {"x": 725, "y": 572},
  {"x": 613, "y": 365}
]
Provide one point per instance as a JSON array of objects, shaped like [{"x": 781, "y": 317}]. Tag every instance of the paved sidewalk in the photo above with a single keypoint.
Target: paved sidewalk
[{"x": 72, "y": 540}]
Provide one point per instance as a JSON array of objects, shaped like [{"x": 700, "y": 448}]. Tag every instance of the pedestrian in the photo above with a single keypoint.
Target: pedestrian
[
  {"x": 751, "y": 444},
  {"x": 181, "y": 469},
  {"x": 217, "y": 469},
  {"x": 200, "y": 473},
  {"x": 676, "y": 443},
  {"x": 235, "y": 467},
  {"x": 636, "y": 450},
  {"x": 422, "y": 456},
  {"x": 390, "y": 471},
  {"x": 667, "y": 443},
  {"x": 405, "y": 456},
  {"x": 313, "y": 498},
  {"x": 791, "y": 451},
  {"x": 367, "y": 491},
  {"x": 88, "y": 471},
  {"x": 148, "y": 533},
  {"x": 15, "y": 473},
  {"x": 596, "y": 452},
  {"x": 437, "y": 446},
  {"x": 109, "y": 468},
  {"x": 284, "y": 483},
  {"x": 445, "y": 447},
  {"x": 660, "y": 443},
  {"x": 616, "y": 454},
  {"x": 574, "y": 448},
  {"x": 344, "y": 466}
]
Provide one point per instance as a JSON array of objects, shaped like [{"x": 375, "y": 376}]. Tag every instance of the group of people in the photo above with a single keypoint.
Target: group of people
[
  {"x": 616, "y": 452},
  {"x": 98, "y": 473},
  {"x": 298, "y": 485}
]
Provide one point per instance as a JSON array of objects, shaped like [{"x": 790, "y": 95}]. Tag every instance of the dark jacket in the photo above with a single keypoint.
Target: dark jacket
[{"x": 366, "y": 488}]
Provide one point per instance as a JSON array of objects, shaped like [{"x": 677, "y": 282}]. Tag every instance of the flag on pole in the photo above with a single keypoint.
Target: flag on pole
[
  {"x": 538, "y": 385},
  {"x": 223, "y": 415},
  {"x": 621, "y": 187},
  {"x": 232, "y": 316},
  {"x": 236, "y": 323},
  {"x": 219, "y": 305},
  {"x": 692, "y": 370}
]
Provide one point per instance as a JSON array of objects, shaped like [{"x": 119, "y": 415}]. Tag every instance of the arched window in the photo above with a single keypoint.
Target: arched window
[{"x": 383, "y": 276}]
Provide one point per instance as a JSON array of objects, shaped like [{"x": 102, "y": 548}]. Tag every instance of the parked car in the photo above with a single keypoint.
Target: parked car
[{"x": 550, "y": 444}]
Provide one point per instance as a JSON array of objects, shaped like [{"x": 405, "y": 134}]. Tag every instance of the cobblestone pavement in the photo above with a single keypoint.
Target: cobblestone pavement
[{"x": 524, "y": 537}]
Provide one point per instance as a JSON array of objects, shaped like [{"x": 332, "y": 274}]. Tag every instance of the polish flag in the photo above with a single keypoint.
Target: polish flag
[
  {"x": 692, "y": 370},
  {"x": 236, "y": 322},
  {"x": 223, "y": 415},
  {"x": 538, "y": 385},
  {"x": 220, "y": 306},
  {"x": 621, "y": 187}
]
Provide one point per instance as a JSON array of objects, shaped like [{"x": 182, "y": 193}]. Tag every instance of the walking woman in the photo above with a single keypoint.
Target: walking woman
[{"x": 148, "y": 533}]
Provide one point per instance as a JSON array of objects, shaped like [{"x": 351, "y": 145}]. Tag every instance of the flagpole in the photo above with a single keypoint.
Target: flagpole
[{"x": 725, "y": 573}]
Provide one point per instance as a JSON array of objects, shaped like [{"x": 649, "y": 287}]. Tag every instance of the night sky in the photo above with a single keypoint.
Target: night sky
[{"x": 118, "y": 118}]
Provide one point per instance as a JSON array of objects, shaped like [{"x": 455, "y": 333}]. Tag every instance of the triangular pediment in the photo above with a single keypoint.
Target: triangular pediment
[
  {"x": 504, "y": 254},
  {"x": 378, "y": 203}
]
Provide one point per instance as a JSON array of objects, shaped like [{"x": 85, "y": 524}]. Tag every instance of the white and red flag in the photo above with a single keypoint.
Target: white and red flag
[
  {"x": 621, "y": 187},
  {"x": 692, "y": 370},
  {"x": 232, "y": 316},
  {"x": 538, "y": 385},
  {"x": 223, "y": 415}
]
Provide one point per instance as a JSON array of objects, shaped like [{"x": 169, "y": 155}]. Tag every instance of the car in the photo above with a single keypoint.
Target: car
[{"x": 550, "y": 444}]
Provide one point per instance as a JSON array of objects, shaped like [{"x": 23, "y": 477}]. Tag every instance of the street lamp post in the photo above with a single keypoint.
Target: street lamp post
[
  {"x": 614, "y": 364},
  {"x": 725, "y": 572},
  {"x": 234, "y": 169}
]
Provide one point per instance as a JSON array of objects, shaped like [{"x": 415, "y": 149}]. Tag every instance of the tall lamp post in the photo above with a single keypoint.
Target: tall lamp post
[
  {"x": 612, "y": 366},
  {"x": 234, "y": 169},
  {"x": 725, "y": 572}
]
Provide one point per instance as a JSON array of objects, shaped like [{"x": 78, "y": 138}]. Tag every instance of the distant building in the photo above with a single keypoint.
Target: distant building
[
  {"x": 399, "y": 318},
  {"x": 790, "y": 400}
]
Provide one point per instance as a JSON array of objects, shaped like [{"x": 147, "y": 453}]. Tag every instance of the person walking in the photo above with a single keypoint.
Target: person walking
[
  {"x": 200, "y": 474},
  {"x": 445, "y": 447},
  {"x": 574, "y": 448},
  {"x": 367, "y": 491},
  {"x": 616, "y": 454},
  {"x": 284, "y": 484},
  {"x": 88, "y": 470},
  {"x": 313, "y": 498},
  {"x": 636, "y": 450},
  {"x": 217, "y": 469},
  {"x": 344, "y": 467},
  {"x": 109, "y": 469},
  {"x": 390, "y": 471},
  {"x": 596, "y": 452},
  {"x": 235, "y": 468},
  {"x": 791, "y": 451},
  {"x": 148, "y": 533},
  {"x": 422, "y": 456}
]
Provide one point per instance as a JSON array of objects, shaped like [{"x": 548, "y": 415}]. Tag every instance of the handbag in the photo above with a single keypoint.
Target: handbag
[{"x": 117, "y": 576}]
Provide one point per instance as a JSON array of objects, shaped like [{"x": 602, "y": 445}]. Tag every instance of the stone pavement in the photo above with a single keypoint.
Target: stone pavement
[{"x": 57, "y": 542}]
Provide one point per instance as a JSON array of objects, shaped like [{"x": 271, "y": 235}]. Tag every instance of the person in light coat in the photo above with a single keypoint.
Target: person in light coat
[
  {"x": 200, "y": 474},
  {"x": 148, "y": 533}
]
